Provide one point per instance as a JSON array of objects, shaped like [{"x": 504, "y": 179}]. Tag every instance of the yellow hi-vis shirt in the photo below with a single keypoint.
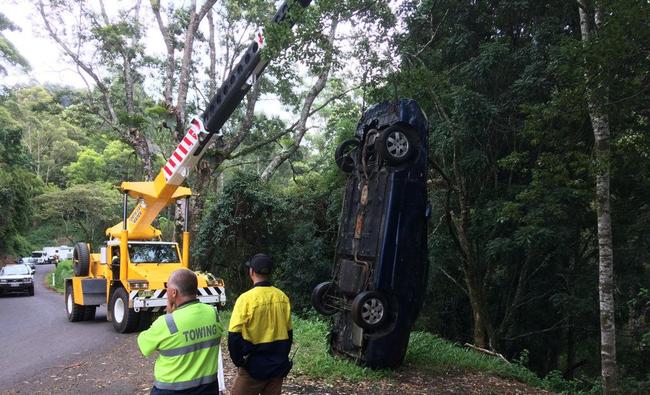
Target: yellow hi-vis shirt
[
  {"x": 188, "y": 343},
  {"x": 260, "y": 332}
]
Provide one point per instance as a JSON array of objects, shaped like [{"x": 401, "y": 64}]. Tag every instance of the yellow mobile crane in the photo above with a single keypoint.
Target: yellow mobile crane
[{"x": 130, "y": 271}]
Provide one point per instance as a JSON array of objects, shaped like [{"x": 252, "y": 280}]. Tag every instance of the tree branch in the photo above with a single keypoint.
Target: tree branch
[{"x": 315, "y": 90}]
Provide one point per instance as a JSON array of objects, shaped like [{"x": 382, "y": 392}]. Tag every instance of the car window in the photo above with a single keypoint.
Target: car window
[{"x": 18, "y": 269}]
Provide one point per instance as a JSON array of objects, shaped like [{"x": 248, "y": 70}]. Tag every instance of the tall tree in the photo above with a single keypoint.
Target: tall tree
[
  {"x": 115, "y": 73},
  {"x": 591, "y": 19}
]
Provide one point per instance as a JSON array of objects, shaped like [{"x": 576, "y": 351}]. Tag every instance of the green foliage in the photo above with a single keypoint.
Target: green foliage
[
  {"x": 17, "y": 187},
  {"x": 297, "y": 226},
  {"x": 62, "y": 271},
  {"x": 431, "y": 352},
  {"x": 82, "y": 211},
  {"x": 247, "y": 219},
  {"x": 49, "y": 140},
  {"x": 503, "y": 86},
  {"x": 8, "y": 53},
  {"x": 88, "y": 167},
  {"x": 111, "y": 165},
  {"x": 313, "y": 359}
]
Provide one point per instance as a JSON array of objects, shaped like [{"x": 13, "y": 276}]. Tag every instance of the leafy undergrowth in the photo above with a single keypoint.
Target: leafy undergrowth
[
  {"x": 63, "y": 270},
  {"x": 312, "y": 357},
  {"x": 426, "y": 353}
]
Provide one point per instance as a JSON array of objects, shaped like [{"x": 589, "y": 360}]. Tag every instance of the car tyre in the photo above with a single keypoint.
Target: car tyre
[
  {"x": 342, "y": 155},
  {"x": 318, "y": 296},
  {"x": 125, "y": 320},
  {"x": 397, "y": 144},
  {"x": 370, "y": 310},
  {"x": 81, "y": 259},
  {"x": 75, "y": 311},
  {"x": 30, "y": 290}
]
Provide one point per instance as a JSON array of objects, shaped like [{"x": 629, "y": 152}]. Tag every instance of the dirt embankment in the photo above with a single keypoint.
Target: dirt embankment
[{"x": 123, "y": 370}]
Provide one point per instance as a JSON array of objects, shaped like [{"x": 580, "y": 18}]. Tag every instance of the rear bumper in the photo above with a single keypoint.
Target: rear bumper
[{"x": 207, "y": 295}]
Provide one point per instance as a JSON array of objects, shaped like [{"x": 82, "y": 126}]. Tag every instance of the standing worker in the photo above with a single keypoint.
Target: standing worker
[
  {"x": 260, "y": 333},
  {"x": 187, "y": 339}
]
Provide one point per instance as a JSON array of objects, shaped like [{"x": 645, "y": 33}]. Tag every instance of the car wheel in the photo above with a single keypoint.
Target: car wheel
[
  {"x": 75, "y": 311},
  {"x": 397, "y": 144},
  {"x": 81, "y": 259},
  {"x": 318, "y": 298},
  {"x": 370, "y": 310},
  {"x": 342, "y": 155},
  {"x": 30, "y": 290},
  {"x": 125, "y": 320}
]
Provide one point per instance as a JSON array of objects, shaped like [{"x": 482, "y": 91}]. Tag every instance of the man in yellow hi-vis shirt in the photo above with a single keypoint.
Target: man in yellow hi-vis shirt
[
  {"x": 187, "y": 339},
  {"x": 260, "y": 333}
]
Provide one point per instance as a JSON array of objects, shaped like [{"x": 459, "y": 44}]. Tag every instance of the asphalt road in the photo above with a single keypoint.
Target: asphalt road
[{"x": 35, "y": 333}]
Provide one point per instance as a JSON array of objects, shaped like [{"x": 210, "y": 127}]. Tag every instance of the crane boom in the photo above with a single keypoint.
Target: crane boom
[{"x": 155, "y": 195}]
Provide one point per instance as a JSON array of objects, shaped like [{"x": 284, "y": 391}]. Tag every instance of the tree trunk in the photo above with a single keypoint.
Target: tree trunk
[
  {"x": 313, "y": 93},
  {"x": 479, "y": 314},
  {"x": 169, "y": 61},
  {"x": 595, "y": 93},
  {"x": 212, "y": 72},
  {"x": 458, "y": 228},
  {"x": 184, "y": 74}
]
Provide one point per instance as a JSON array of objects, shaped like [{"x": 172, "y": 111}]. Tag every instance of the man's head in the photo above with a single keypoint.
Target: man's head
[
  {"x": 260, "y": 265},
  {"x": 181, "y": 286}
]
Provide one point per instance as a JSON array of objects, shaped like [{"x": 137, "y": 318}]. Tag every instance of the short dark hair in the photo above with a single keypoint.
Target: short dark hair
[{"x": 185, "y": 281}]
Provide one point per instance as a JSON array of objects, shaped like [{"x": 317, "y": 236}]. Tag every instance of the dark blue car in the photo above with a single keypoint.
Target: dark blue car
[{"x": 380, "y": 272}]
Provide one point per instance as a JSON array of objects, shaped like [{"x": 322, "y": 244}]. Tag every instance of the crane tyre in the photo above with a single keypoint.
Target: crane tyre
[
  {"x": 81, "y": 259},
  {"x": 125, "y": 320},
  {"x": 75, "y": 311}
]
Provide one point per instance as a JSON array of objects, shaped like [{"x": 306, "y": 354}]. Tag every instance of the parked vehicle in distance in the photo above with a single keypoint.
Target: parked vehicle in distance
[
  {"x": 57, "y": 254},
  {"x": 380, "y": 271},
  {"x": 17, "y": 278},
  {"x": 65, "y": 252},
  {"x": 29, "y": 262},
  {"x": 39, "y": 257}
]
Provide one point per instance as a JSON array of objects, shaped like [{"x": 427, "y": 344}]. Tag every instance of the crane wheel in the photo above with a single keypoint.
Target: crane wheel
[
  {"x": 125, "y": 320},
  {"x": 81, "y": 259},
  {"x": 75, "y": 311}
]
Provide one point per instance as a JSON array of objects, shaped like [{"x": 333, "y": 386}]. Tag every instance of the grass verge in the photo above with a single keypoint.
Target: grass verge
[
  {"x": 426, "y": 352},
  {"x": 430, "y": 352},
  {"x": 55, "y": 279},
  {"x": 313, "y": 359}
]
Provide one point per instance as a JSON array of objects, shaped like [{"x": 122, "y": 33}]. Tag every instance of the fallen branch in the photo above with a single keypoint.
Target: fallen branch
[{"x": 488, "y": 352}]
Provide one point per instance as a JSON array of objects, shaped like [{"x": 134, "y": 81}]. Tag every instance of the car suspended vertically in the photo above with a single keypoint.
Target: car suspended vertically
[{"x": 381, "y": 266}]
